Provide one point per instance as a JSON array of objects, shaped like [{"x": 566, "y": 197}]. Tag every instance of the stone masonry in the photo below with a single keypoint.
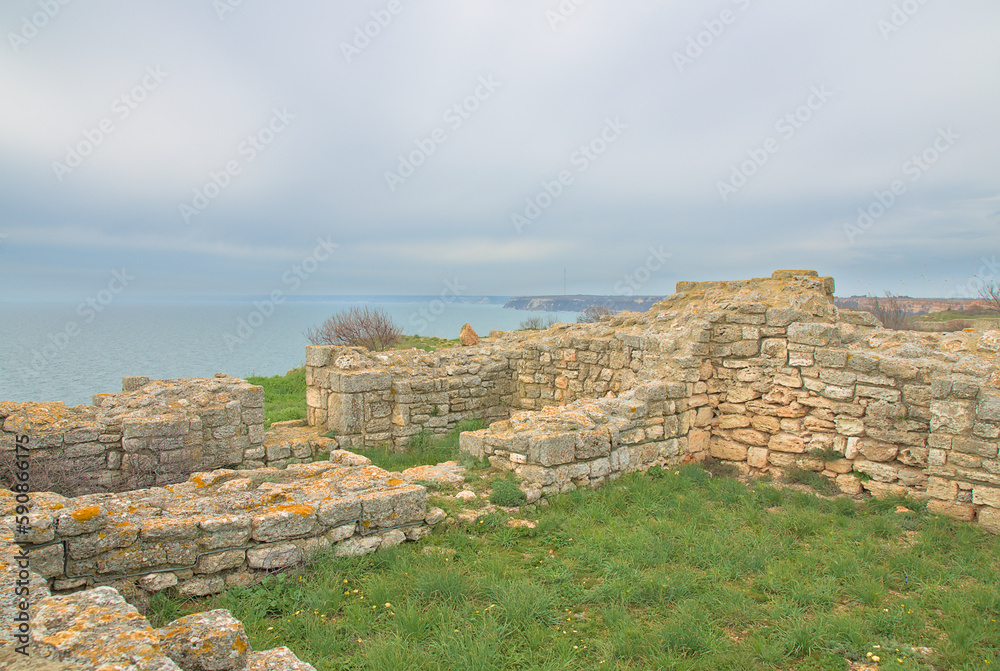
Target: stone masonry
[
  {"x": 151, "y": 433},
  {"x": 767, "y": 374}
]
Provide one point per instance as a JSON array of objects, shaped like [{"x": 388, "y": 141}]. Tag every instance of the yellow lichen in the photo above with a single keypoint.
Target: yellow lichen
[
  {"x": 394, "y": 481},
  {"x": 86, "y": 514},
  {"x": 301, "y": 509}
]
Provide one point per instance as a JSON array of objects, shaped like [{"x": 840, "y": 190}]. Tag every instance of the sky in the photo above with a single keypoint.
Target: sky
[{"x": 242, "y": 147}]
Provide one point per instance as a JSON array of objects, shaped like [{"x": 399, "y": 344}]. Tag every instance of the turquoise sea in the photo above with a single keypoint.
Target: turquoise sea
[{"x": 68, "y": 352}]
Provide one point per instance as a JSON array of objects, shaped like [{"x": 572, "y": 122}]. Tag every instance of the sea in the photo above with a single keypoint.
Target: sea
[{"x": 68, "y": 352}]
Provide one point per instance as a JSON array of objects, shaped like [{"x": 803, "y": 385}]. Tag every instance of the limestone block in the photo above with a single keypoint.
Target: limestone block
[
  {"x": 757, "y": 457},
  {"x": 318, "y": 355},
  {"x": 973, "y": 446},
  {"x": 401, "y": 504},
  {"x": 840, "y": 466},
  {"x": 346, "y": 413},
  {"x": 989, "y": 519},
  {"x": 96, "y": 628},
  {"x": 786, "y": 442},
  {"x": 224, "y": 531},
  {"x": 435, "y": 516},
  {"x": 849, "y": 484},
  {"x": 274, "y": 556},
  {"x": 278, "y": 659},
  {"x": 986, "y": 496},
  {"x": 721, "y": 448},
  {"x": 785, "y": 316},
  {"x": 766, "y": 423},
  {"x": 357, "y": 546},
  {"x": 212, "y": 584},
  {"x": 807, "y": 333},
  {"x": 954, "y": 417},
  {"x": 391, "y": 539},
  {"x": 878, "y": 471},
  {"x": 552, "y": 449},
  {"x": 960, "y": 511},
  {"x": 209, "y": 641},
  {"x": 876, "y": 450},
  {"x": 220, "y": 561},
  {"x": 733, "y": 421},
  {"x": 751, "y": 437}
]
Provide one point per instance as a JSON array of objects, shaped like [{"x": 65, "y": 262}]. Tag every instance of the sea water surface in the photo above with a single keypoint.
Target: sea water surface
[{"x": 57, "y": 352}]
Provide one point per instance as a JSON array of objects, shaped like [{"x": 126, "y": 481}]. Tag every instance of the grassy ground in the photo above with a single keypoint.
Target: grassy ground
[
  {"x": 424, "y": 449},
  {"x": 426, "y": 343},
  {"x": 284, "y": 396},
  {"x": 675, "y": 570}
]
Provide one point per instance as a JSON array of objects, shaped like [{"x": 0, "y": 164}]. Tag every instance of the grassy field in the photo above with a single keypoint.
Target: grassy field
[
  {"x": 673, "y": 570},
  {"x": 424, "y": 449}
]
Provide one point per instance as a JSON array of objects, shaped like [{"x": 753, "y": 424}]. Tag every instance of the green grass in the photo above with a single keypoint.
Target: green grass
[
  {"x": 284, "y": 396},
  {"x": 681, "y": 571},
  {"x": 426, "y": 343},
  {"x": 424, "y": 449}
]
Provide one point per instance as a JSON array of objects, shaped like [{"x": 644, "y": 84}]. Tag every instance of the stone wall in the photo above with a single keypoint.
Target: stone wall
[
  {"x": 218, "y": 529},
  {"x": 154, "y": 432},
  {"x": 767, "y": 374}
]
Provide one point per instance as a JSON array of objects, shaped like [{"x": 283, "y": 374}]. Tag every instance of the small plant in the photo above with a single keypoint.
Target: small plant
[
  {"x": 801, "y": 476},
  {"x": 365, "y": 327},
  {"x": 595, "y": 313},
  {"x": 506, "y": 493},
  {"x": 332, "y": 433},
  {"x": 537, "y": 323}
]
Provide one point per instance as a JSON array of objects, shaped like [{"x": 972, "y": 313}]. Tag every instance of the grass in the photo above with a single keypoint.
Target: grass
[
  {"x": 426, "y": 343},
  {"x": 284, "y": 396},
  {"x": 681, "y": 571},
  {"x": 424, "y": 449}
]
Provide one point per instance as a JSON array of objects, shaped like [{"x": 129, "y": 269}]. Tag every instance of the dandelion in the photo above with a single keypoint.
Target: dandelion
[
  {"x": 389, "y": 605},
  {"x": 875, "y": 658}
]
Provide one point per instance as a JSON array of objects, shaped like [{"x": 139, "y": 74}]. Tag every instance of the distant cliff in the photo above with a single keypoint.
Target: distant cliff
[{"x": 579, "y": 303}]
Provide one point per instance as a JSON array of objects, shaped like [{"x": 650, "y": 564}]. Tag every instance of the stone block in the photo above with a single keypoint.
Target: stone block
[
  {"x": 877, "y": 471},
  {"x": 989, "y": 519},
  {"x": 954, "y": 417},
  {"x": 972, "y": 446},
  {"x": 357, "y": 546},
  {"x": 721, "y": 448},
  {"x": 876, "y": 450},
  {"x": 552, "y": 449},
  {"x": 986, "y": 496},
  {"x": 208, "y": 641},
  {"x": 212, "y": 584},
  {"x": 805, "y": 333},
  {"x": 356, "y": 382},
  {"x": 318, "y": 356},
  {"x": 274, "y": 556},
  {"x": 960, "y": 511},
  {"x": 757, "y": 457},
  {"x": 785, "y": 442}
]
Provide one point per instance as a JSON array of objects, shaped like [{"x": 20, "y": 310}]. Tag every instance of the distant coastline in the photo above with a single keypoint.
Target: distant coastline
[{"x": 580, "y": 302}]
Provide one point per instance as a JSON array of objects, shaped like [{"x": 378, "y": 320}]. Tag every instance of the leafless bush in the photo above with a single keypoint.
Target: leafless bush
[
  {"x": 594, "y": 313},
  {"x": 990, "y": 292},
  {"x": 369, "y": 328},
  {"x": 537, "y": 323},
  {"x": 72, "y": 478},
  {"x": 49, "y": 475},
  {"x": 888, "y": 311}
]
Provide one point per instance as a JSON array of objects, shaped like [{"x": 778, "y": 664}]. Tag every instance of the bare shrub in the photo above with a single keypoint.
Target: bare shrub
[
  {"x": 365, "y": 327},
  {"x": 56, "y": 474},
  {"x": 990, "y": 292},
  {"x": 594, "y": 313},
  {"x": 537, "y": 323},
  {"x": 888, "y": 311}
]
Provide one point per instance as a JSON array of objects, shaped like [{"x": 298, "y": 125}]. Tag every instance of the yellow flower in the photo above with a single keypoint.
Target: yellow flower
[{"x": 389, "y": 605}]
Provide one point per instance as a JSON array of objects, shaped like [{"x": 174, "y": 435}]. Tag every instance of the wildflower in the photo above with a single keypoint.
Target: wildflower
[
  {"x": 875, "y": 658},
  {"x": 389, "y": 605}
]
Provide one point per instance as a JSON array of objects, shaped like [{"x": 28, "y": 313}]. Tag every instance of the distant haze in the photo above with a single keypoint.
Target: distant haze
[{"x": 523, "y": 147}]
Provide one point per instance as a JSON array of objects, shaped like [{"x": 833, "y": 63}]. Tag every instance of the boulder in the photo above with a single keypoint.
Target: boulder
[{"x": 468, "y": 336}]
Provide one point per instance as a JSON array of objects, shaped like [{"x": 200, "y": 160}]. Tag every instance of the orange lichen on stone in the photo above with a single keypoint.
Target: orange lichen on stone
[
  {"x": 86, "y": 514},
  {"x": 302, "y": 509},
  {"x": 394, "y": 481}
]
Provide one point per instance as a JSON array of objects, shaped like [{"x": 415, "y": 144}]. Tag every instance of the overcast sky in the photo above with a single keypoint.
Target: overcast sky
[{"x": 197, "y": 147}]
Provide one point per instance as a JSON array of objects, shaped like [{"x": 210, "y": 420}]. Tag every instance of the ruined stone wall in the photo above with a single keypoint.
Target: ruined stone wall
[
  {"x": 218, "y": 529},
  {"x": 154, "y": 432},
  {"x": 373, "y": 399}
]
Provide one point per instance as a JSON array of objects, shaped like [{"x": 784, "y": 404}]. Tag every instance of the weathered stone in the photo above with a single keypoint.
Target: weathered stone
[
  {"x": 272, "y": 557},
  {"x": 468, "y": 336},
  {"x": 209, "y": 641}
]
